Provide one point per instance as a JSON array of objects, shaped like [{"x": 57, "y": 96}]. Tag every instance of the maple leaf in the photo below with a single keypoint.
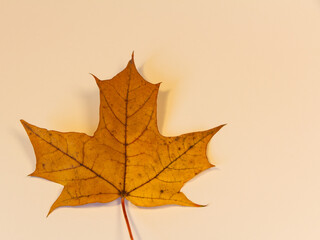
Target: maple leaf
[{"x": 126, "y": 157}]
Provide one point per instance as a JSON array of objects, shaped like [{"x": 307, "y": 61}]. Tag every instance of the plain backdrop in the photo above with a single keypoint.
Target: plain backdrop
[{"x": 253, "y": 64}]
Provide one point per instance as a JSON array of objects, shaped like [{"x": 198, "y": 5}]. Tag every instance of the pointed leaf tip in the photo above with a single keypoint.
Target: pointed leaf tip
[
  {"x": 52, "y": 208},
  {"x": 25, "y": 124},
  {"x": 95, "y": 78},
  {"x": 200, "y": 205},
  {"x": 217, "y": 129},
  {"x": 49, "y": 213},
  {"x": 132, "y": 61}
]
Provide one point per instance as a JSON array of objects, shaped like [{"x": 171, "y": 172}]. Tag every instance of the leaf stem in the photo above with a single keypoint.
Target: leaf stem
[{"x": 126, "y": 217}]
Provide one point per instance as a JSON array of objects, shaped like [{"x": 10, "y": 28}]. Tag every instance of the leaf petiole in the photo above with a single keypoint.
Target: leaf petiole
[{"x": 126, "y": 217}]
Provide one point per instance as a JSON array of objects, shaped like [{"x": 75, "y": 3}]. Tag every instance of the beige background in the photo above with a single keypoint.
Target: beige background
[{"x": 252, "y": 64}]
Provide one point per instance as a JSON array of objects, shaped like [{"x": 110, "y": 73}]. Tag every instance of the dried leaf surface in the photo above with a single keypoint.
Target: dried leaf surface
[{"x": 127, "y": 156}]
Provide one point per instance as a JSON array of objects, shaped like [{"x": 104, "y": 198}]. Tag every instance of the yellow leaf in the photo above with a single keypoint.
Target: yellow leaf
[{"x": 126, "y": 157}]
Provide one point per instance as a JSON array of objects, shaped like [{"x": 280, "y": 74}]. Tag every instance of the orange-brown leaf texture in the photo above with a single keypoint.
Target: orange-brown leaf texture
[{"x": 127, "y": 156}]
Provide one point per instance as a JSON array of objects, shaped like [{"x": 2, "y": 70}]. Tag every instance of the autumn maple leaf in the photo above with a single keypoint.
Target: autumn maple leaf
[{"x": 126, "y": 157}]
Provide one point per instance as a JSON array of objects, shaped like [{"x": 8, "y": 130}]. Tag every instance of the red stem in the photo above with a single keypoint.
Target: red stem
[{"x": 126, "y": 218}]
